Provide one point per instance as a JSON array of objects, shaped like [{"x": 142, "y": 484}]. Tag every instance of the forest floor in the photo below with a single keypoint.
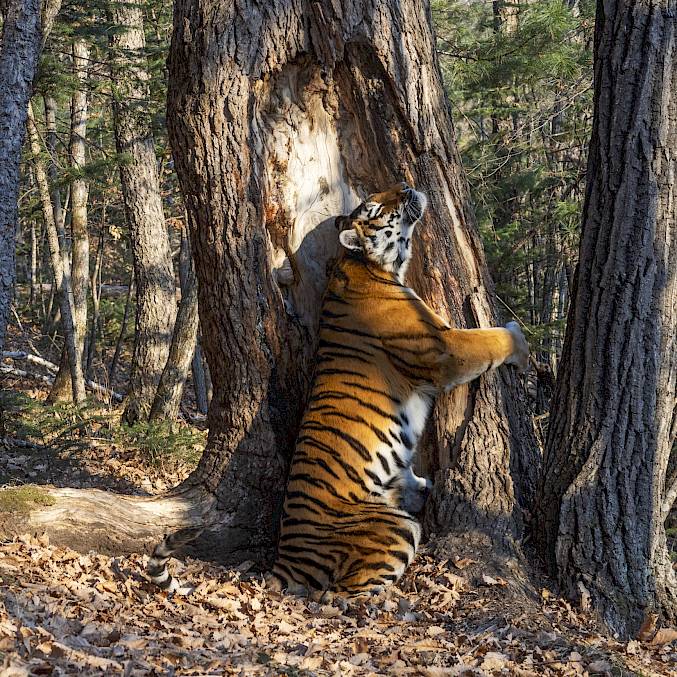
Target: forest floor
[{"x": 64, "y": 612}]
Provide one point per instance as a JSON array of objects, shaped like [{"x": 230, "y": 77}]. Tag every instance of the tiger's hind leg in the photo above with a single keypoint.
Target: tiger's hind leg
[{"x": 379, "y": 552}]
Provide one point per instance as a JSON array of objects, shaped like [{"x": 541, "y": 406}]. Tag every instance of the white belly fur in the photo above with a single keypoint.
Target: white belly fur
[{"x": 403, "y": 441}]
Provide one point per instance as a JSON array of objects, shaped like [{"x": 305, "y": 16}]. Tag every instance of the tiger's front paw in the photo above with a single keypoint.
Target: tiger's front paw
[{"x": 520, "y": 354}]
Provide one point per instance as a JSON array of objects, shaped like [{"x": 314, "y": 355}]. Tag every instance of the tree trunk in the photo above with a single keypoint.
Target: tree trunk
[
  {"x": 155, "y": 295},
  {"x": 52, "y": 172},
  {"x": 33, "y": 265},
  {"x": 19, "y": 52},
  {"x": 95, "y": 282},
  {"x": 605, "y": 493},
  {"x": 199, "y": 378},
  {"x": 170, "y": 389},
  {"x": 62, "y": 276},
  {"x": 281, "y": 116},
  {"x": 62, "y": 389},
  {"x": 123, "y": 330}
]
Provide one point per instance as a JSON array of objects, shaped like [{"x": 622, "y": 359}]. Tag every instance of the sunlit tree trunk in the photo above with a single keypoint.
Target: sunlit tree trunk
[
  {"x": 607, "y": 489},
  {"x": 154, "y": 275},
  {"x": 61, "y": 272},
  {"x": 79, "y": 192},
  {"x": 281, "y": 116}
]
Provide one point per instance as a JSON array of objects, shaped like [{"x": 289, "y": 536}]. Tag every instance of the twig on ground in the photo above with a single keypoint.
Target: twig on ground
[{"x": 20, "y": 373}]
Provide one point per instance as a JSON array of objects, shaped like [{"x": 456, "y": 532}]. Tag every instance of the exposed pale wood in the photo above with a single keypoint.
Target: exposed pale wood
[{"x": 117, "y": 523}]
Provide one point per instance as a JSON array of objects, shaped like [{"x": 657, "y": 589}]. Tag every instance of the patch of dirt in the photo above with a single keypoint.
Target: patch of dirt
[{"x": 64, "y": 613}]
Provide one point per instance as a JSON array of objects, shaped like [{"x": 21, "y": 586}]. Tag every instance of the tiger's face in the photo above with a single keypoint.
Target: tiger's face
[{"x": 382, "y": 226}]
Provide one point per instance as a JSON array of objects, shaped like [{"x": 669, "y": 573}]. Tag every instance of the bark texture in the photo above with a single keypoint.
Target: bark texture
[
  {"x": 79, "y": 191},
  {"x": 606, "y": 490},
  {"x": 154, "y": 275},
  {"x": 283, "y": 115},
  {"x": 19, "y": 52}
]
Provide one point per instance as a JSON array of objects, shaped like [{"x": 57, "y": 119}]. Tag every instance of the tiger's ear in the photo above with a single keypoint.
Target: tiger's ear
[{"x": 350, "y": 239}]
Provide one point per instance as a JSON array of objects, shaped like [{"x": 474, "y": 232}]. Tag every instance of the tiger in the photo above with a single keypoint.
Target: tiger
[{"x": 349, "y": 522}]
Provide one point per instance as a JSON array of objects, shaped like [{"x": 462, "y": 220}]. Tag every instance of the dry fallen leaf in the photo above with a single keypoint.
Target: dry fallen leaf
[
  {"x": 664, "y": 636},
  {"x": 493, "y": 660},
  {"x": 463, "y": 562},
  {"x": 489, "y": 580},
  {"x": 648, "y": 626},
  {"x": 599, "y": 667}
]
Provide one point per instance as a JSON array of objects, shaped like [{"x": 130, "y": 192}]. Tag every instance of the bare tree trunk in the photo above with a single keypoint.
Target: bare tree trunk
[
  {"x": 33, "y": 264},
  {"x": 199, "y": 378},
  {"x": 281, "y": 115},
  {"x": 61, "y": 272},
  {"x": 96, "y": 293},
  {"x": 155, "y": 286},
  {"x": 62, "y": 389},
  {"x": 123, "y": 330},
  {"x": 170, "y": 389},
  {"x": 19, "y": 52},
  {"x": 606, "y": 493},
  {"x": 50, "y": 142}
]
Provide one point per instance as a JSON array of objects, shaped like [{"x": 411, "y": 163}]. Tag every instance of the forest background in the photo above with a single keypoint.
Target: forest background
[{"x": 519, "y": 79}]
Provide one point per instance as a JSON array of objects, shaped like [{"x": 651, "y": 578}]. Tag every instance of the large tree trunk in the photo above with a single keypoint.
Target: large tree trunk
[
  {"x": 19, "y": 52},
  {"x": 281, "y": 116},
  {"x": 62, "y": 389},
  {"x": 606, "y": 491},
  {"x": 154, "y": 275}
]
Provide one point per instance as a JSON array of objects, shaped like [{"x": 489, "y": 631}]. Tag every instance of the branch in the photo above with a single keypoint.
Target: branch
[{"x": 21, "y": 355}]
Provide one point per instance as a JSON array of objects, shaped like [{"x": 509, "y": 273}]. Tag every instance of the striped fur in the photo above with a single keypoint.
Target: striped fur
[{"x": 348, "y": 521}]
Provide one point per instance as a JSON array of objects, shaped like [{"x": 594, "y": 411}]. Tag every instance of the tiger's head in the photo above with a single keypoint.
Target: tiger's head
[{"x": 381, "y": 227}]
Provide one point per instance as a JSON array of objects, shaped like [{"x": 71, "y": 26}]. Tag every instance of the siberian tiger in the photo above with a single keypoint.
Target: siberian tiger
[{"x": 348, "y": 521}]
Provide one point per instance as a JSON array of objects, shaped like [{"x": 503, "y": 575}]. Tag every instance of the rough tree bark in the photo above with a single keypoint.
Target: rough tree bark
[
  {"x": 282, "y": 115},
  {"x": 19, "y": 52},
  {"x": 62, "y": 389},
  {"x": 170, "y": 389},
  {"x": 154, "y": 275},
  {"x": 606, "y": 490}
]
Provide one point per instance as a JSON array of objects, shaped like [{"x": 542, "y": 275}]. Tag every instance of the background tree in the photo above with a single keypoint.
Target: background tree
[
  {"x": 519, "y": 77},
  {"x": 79, "y": 255},
  {"x": 19, "y": 52},
  {"x": 606, "y": 491},
  {"x": 153, "y": 271}
]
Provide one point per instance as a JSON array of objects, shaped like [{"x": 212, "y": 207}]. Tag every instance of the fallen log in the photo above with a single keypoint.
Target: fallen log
[{"x": 21, "y": 373}]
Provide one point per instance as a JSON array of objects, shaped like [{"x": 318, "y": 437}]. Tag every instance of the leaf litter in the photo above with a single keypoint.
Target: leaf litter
[{"x": 63, "y": 612}]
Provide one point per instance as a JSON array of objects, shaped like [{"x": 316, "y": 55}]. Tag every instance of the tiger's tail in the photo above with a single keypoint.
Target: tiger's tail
[{"x": 157, "y": 564}]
